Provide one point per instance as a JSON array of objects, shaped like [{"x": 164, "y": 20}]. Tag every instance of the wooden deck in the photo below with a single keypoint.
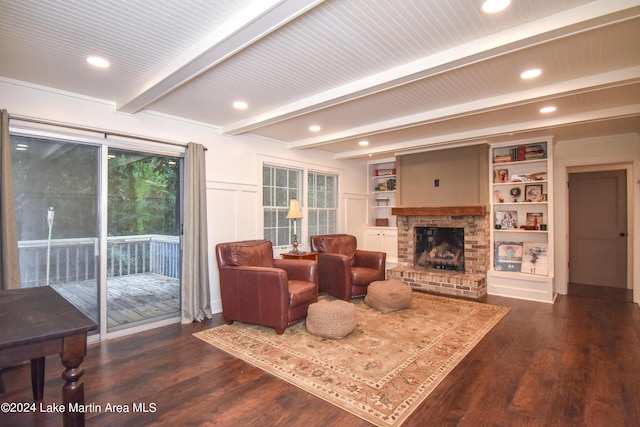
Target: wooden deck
[{"x": 131, "y": 299}]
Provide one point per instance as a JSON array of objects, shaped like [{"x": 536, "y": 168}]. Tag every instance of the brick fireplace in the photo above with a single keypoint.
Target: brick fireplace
[{"x": 470, "y": 283}]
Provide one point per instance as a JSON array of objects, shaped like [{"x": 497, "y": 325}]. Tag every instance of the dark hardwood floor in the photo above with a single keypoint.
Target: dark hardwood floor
[{"x": 572, "y": 363}]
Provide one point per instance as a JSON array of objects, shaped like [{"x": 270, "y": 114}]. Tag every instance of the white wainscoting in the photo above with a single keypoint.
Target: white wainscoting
[{"x": 232, "y": 211}]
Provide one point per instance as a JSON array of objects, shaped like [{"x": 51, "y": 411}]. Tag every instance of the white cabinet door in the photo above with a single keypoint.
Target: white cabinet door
[
  {"x": 389, "y": 244},
  {"x": 372, "y": 241},
  {"x": 382, "y": 239}
]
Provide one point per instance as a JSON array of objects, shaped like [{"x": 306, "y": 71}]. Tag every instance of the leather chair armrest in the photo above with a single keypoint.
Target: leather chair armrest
[
  {"x": 371, "y": 259},
  {"x": 275, "y": 279},
  {"x": 303, "y": 269}
]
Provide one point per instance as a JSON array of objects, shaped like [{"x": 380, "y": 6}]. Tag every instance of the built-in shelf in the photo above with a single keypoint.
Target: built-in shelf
[
  {"x": 521, "y": 220},
  {"x": 382, "y": 193}
]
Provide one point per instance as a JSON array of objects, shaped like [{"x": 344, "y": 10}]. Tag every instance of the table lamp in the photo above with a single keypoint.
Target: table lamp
[{"x": 294, "y": 214}]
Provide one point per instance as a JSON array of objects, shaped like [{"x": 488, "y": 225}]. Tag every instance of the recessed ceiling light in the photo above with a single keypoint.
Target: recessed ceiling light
[
  {"x": 363, "y": 143},
  {"x": 240, "y": 105},
  {"x": 548, "y": 109},
  {"x": 530, "y": 74},
  {"x": 495, "y": 6},
  {"x": 96, "y": 61},
  {"x": 314, "y": 128}
]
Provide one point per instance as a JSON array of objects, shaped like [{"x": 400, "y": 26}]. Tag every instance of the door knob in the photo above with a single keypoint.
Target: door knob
[{"x": 623, "y": 234}]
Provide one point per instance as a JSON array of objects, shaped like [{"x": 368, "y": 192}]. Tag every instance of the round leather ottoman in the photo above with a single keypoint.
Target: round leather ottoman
[
  {"x": 331, "y": 319},
  {"x": 388, "y": 295}
]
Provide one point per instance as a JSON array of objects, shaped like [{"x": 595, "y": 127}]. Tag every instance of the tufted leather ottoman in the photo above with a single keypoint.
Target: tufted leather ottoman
[
  {"x": 388, "y": 295},
  {"x": 331, "y": 319}
]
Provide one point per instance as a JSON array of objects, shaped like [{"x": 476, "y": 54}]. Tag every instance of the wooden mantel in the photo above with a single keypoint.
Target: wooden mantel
[{"x": 440, "y": 211}]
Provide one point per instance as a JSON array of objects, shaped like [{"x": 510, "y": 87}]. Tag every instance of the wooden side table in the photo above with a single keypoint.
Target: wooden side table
[{"x": 301, "y": 255}]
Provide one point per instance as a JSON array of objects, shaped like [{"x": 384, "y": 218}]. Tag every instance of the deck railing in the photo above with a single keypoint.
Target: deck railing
[{"x": 76, "y": 260}]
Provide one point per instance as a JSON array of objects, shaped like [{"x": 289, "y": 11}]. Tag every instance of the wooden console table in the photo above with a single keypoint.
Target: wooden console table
[
  {"x": 37, "y": 322},
  {"x": 300, "y": 255}
]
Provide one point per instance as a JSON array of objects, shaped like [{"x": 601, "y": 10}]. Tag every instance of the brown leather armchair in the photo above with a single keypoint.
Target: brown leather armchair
[
  {"x": 343, "y": 270},
  {"x": 258, "y": 289}
]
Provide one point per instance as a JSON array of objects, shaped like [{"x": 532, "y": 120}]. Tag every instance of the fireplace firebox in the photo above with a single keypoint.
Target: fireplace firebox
[{"x": 440, "y": 248}]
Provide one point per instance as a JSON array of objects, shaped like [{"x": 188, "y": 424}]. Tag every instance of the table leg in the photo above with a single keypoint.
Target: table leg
[
  {"x": 37, "y": 378},
  {"x": 74, "y": 348}
]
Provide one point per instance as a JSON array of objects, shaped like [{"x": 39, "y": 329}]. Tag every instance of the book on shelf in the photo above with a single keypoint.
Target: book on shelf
[
  {"x": 534, "y": 152},
  {"x": 521, "y": 153},
  {"x": 502, "y": 158}
]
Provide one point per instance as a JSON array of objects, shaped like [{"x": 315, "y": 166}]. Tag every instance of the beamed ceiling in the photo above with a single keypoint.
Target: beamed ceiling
[{"x": 405, "y": 75}]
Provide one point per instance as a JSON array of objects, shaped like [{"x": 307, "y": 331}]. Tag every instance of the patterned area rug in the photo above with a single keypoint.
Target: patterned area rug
[{"x": 384, "y": 369}]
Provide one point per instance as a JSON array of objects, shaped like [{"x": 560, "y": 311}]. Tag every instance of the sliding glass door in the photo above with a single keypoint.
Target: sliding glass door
[
  {"x": 101, "y": 225},
  {"x": 56, "y": 191},
  {"x": 143, "y": 251}
]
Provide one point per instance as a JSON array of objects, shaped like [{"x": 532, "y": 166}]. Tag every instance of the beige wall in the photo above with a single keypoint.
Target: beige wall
[{"x": 462, "y": 173}]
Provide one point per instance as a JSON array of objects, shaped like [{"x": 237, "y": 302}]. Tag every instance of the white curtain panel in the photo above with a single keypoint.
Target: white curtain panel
[{"x": 196, "y": 293}]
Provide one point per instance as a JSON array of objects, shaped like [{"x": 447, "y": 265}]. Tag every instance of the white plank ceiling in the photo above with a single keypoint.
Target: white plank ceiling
[{"x": 405, "y": 75}]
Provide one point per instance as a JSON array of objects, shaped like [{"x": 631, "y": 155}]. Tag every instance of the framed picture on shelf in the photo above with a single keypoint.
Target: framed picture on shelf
[
  {"x": 533, "y": 193},
  {"x": 508, "y": 256},
  {"x": 534, "y": 219},
  {"x": 501, "y": 175},
  {"x": 506, "y": 219},
  {"x": 534, "y": 259}
]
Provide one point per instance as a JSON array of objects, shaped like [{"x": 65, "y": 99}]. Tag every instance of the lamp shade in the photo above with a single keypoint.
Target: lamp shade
[{"x": 294, "y": 209}]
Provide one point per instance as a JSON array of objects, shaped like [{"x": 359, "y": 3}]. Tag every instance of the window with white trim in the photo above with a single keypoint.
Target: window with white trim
[
  {"x": 279, "y": 185},
  {"x": 322, "y": 197}
]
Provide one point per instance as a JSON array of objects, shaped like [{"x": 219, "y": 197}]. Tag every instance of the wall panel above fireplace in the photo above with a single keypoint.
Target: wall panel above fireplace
[{"x": 460, "y": 173}]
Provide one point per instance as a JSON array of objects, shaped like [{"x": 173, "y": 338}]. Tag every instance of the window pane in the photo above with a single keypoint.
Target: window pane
[
  {"x": 323, "y": 203},
  {"x": 282, "y": 197},
  {"x": 276, "y": 195},
  {"x": 270, "y": 234},
  {"x": 269, "y": 218},
  {"x": 293, "y": 181},
  {"x": 143, "y": 191},
  {"x": 313, "y": 223},
  {"x": 266, "y": 196},
  {"x": 266, "y": 176},
  {"x": 281, "y": 178},
  {"x": 56, "y": 187},
  {"x": 331, "y": 192},
  {"x": 332, "y": 220}
]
